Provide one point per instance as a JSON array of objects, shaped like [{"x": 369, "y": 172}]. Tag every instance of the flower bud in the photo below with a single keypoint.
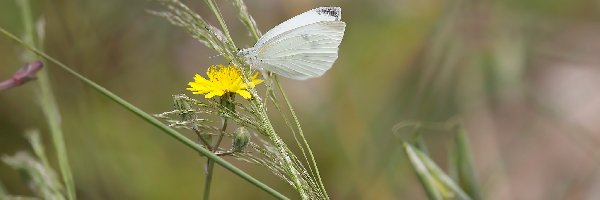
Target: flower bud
[
  {"x": 241, "y": 139},
  {"x": 181, "y": 103}
]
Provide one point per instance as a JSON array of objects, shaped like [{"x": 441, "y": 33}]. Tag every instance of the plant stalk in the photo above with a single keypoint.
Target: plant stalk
[
  {"x": 310, "y": 153},
  {"x": 281, "y": 148},
  {"x": 209, "y": 163},
  {"x": 213, "y": 7}
]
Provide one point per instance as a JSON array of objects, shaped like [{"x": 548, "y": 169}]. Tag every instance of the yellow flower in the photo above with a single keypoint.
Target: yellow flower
[{"x": 222, "y": 80}]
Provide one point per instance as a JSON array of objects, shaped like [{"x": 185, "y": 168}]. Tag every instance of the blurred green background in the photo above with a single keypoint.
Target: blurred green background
[{"x": 522, "y": 76}]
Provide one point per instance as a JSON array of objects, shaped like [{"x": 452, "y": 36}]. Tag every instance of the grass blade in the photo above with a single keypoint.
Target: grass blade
[
  {"x": 462, "y": 165},
  {"x": 436, "y": 183},
  {"x": 422, "y": 172}
]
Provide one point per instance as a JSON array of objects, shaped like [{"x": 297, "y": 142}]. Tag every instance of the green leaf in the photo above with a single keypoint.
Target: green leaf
[
  {"x": 462, "y": 165},
  {"x": 437, "y": 184}
]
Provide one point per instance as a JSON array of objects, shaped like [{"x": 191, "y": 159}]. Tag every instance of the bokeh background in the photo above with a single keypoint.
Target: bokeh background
[{"x": 522, "y": 76}]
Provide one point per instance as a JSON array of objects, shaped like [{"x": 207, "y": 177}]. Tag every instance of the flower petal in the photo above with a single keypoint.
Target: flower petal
[
  {"x": 221, "y": 80},
  {"x": 244, "y": 93}
]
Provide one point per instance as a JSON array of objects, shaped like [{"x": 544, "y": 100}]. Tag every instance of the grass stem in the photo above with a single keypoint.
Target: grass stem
[
  {"x": 210, "y": 164},
  {"x": 215, "y": 9},
  {"x": 301, "y": 133}
]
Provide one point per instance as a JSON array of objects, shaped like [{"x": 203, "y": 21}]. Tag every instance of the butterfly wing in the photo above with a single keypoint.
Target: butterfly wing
[
  {"x": 312, "y": 16},
  {"x": 304, "y": 52}
]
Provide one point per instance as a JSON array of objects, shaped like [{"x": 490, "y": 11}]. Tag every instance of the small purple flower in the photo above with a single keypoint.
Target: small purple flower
[{"x": 23, "y": 75}]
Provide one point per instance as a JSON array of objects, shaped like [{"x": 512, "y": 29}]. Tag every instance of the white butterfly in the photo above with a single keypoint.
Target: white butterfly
[{"x": 303, "y": 47}]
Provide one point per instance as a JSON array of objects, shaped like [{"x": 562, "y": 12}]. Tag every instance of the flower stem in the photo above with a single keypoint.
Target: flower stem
[
  {"x": 208, "y": 178},
  {"x": 202, "y": 140},
  {"x": 209, "y": 163}
]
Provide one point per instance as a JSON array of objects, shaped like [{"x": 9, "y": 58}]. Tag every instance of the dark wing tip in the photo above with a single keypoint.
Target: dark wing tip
[{"x": 335, "y": 12}]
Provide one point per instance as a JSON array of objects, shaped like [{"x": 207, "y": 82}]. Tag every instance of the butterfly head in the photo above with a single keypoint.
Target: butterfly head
[
  {"x": 244, "y": 52},
  {"x": 249, "y": 55}
]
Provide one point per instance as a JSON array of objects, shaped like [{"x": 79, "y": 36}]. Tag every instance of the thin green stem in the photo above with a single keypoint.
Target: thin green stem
[
  {"x": 202, "y": 140},
  {"x": 210, "y": 164},
  {"x": 29, "y": 35},
  {"x": 227, "y": 99},
  {"x": 288, "y": 123},
  {"x": 151, "y": 120},
  {"x": 280, "y": 146},
  {"x": 246, "y": 18},
  {"x": 215, "y": 9},
  {"x": 48, "y": 102},
  {"x": 310, "y": 153},
  {"x": 218, "y": 143},
  {"x": 208, "y": 179}
]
